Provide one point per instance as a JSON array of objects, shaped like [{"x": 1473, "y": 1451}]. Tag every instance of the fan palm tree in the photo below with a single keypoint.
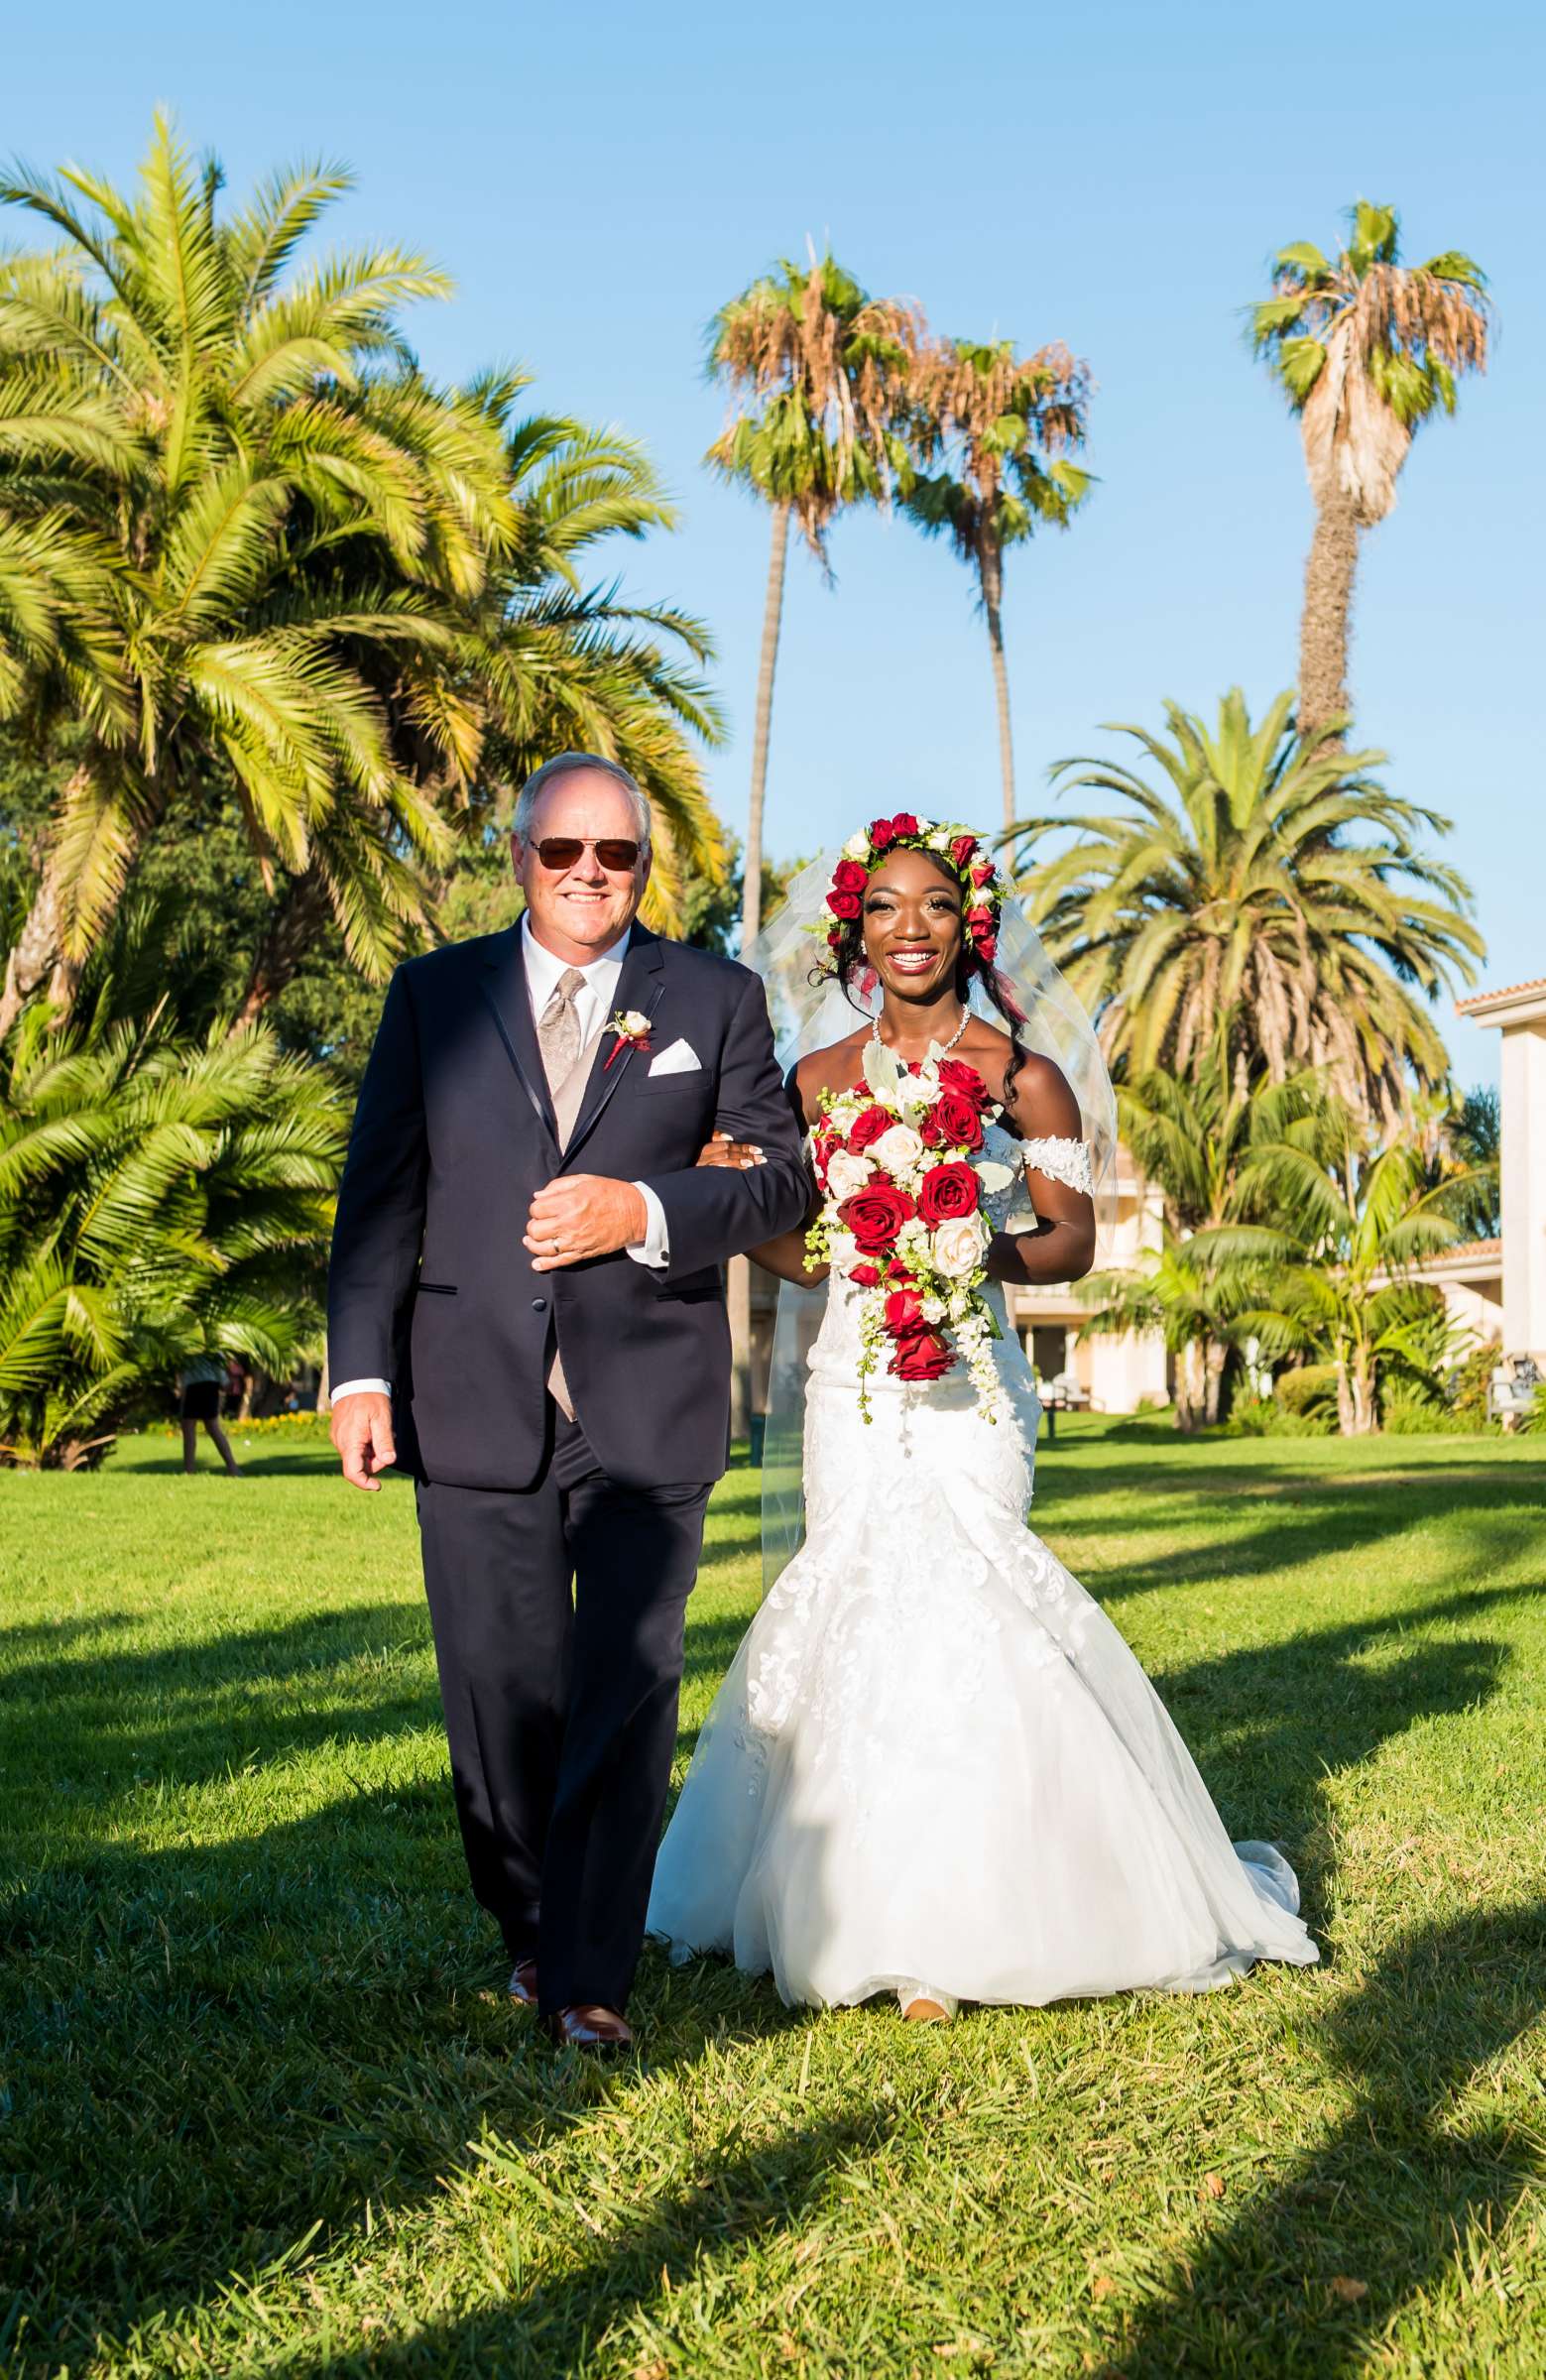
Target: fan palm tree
[
  {"x": 817, "y": 372},
  {"x": 1261, "y": 876},
  {"x": 238, "y": 533},
  {"x": 160, "y": 1197},
  {"x": 1357, "y": 1218},
  {"x": 1001, "y": 424},
  {"x": 1365, "y": 350}
]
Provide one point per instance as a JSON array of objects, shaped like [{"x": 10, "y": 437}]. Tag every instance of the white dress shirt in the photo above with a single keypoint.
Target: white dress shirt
[{"x": 593, "y": 1004}]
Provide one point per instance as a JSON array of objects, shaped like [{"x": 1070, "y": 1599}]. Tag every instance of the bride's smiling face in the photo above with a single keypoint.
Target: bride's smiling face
[{"x": 912, "y": 920}]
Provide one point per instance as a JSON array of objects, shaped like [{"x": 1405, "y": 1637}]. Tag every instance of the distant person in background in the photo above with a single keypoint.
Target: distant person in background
[{"x": 200, "y": 1382}]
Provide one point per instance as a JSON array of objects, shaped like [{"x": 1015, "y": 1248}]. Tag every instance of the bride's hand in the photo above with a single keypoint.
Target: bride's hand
[{"x": 723, "y": 1150}]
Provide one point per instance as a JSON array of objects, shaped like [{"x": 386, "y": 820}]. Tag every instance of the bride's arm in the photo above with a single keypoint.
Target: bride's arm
[
  {"x": 1060, "y": 1245},
  {"x": 784, "y": 1257}
]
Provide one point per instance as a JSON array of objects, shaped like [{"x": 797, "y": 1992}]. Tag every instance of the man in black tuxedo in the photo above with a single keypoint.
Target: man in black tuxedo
[{"x": 527, "y": 1298}]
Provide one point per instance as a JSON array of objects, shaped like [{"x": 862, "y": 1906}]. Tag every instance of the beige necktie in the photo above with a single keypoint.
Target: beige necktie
[{"x": 558, "y": 1040}]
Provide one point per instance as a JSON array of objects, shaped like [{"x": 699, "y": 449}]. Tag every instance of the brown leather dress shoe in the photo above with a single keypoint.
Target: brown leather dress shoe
[
  {"x": 594, "y": 2028},
  {"x": 523, "y": 1982}
]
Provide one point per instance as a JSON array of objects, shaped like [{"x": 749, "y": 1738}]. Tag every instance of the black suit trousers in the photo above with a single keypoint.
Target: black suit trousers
[{"x": 558, "y": 1614}]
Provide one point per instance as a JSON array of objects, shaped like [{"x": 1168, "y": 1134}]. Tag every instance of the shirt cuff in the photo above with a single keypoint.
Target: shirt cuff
[
  {"x": 654, "y": 1247},
  {"x": 358, "y": 1388}
]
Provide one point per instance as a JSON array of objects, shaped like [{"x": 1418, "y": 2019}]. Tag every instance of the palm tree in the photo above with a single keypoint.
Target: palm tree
[
  {"x": 1365, "y": 350},
  {"x": 1268, "y": 878},
  {"x": 160, "y": 1197},
  {"x": 1356, "y": 1219},
  {"x": 238, "y": 533},
  {"x": 566, "y": 665},
  {"x": 1001, "y": 426},
  {"x": 817, "y": 372},
  {"x": 1199, "y": 1140}
]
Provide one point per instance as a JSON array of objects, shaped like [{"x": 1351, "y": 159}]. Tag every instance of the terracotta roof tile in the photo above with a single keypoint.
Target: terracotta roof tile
[{"x": 1536, "y": 983}]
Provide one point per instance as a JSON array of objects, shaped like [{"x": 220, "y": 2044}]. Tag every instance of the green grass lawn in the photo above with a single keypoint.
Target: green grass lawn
[{"x": 267, "y": 2110}]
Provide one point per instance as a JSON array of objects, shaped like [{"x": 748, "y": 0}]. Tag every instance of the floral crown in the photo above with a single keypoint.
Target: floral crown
[{"x": 956, "y": 848}]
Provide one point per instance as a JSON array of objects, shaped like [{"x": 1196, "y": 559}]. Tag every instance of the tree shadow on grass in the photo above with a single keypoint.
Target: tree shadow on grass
[
  {"x": 1271, "y": 1726},
  {"x": 1383, "y": 2204}
]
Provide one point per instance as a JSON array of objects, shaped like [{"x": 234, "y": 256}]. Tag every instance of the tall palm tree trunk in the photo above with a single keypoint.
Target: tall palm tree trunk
[
  {"x": 738, "y": 1284},
  {"x": 773, "y": 616},
  {"x": 1324, "y": 626},
  {"x": 991, "y": 573}
]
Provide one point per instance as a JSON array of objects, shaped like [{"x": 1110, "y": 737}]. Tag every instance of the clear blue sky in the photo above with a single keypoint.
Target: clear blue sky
[{"x": 1116, "y": 176}]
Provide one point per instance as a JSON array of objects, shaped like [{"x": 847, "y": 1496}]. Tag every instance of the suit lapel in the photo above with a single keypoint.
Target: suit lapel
[
  {"x": 638, "y": 986},
  {"x": 504, "y": 986}
]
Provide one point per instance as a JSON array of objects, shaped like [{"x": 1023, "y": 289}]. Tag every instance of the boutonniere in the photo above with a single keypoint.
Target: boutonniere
[{"x": 632, "y": 1027}]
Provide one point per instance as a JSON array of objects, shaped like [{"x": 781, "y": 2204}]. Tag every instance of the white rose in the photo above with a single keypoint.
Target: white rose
[
  {"x": 899, "y": 1149},
  {"x": 846, "y": 1173},
  {"x": 857, "y": 847},
  {"x": 958, "y": 1248}
]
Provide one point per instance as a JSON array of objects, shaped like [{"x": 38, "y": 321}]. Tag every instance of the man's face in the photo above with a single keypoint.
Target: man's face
[{"x": 578, "y": 909}]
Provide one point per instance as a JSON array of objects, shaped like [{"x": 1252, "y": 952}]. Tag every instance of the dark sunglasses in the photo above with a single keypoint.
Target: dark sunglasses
[{"x": 559, "y": 852}]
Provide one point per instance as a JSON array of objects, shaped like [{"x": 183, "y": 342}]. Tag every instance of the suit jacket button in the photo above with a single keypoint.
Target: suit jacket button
[{"x": 539, "y": 1306}]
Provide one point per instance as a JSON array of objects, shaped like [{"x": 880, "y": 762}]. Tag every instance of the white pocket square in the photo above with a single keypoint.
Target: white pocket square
[{"x": 680, "y": 1058}]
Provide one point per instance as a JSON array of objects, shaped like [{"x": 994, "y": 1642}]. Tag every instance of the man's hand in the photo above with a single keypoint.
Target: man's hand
[
  {"x": 362, "y": 1433},
  {"x": 582, "y": 1215}
]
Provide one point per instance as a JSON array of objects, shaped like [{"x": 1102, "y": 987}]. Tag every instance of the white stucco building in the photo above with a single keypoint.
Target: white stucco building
[{"x": 1519, "y": 1014}]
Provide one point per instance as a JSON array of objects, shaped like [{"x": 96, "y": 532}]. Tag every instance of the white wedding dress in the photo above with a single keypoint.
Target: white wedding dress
[{"x": 935, "y": 1768}]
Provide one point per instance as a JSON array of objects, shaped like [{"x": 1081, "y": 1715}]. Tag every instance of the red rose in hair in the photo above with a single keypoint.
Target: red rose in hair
[
  {"x": 848, "y": 877},
  {"x": 903, "y": 1313},
  {"x": 926, "y": 1357},
  {"x": 882, "y": 833},
  {"x": 867, "y": 1128},
  {"x": 953, "y": 1121},
  {"x": 947, "y": 1191},
  {"x": 842, "y": 905},
  {"x": 987, "y": 948},
  {"x": 983, "y": 873},
  {"x": 956, "y": 1075},
  {"x": 867, "y": 1275},
  {"x": 962, "y": 849},
  {"x": 834, "y": 936},
  {"x": 875, "y": 1214},
  {"x": 905, "y": 823},
  {"x": 980, "y": 920}
]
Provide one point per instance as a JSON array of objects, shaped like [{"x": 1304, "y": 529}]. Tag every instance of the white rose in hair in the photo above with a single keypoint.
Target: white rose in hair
[
  {"x": 958, "y": 1248},
  {"x": 857, "y": 847},
  {"x": 846, "y": 1173},
  {"x": 899, "y": 1150}
]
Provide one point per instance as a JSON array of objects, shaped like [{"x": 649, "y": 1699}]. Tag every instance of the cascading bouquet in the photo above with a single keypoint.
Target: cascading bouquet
[{"x": 900, "y": 1166}]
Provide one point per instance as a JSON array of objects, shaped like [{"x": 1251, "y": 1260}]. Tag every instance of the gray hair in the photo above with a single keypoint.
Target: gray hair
[{"x": 569, "y": 764}]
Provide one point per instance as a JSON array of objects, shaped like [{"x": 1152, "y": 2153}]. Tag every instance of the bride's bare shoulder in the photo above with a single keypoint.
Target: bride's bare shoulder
[{"x": 835, "y": 1068}]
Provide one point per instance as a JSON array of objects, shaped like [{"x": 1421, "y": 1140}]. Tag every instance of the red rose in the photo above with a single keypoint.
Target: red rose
[
  {"x": 883, "y": 832},
  {"x": 905, "y": 823},
  {"x": 865, "y": 1275},
  {"x": 954, "y": 1121},
  {"x": 987, "y": 948},
  {"x": 868, "y": 1127},
  {"x": 875, "y": 1214},
  {"x": 834, "y": 937},
  {"x": 848, "y": 877},
  {"x": 924, "y": 1357},
  {"x": 903, "y": 1313},
  {"x": 947, "y": 1191},
  {"x": 957, "y": 1076},
  {"x": 980, "y": 920},
  {"x": 842, "y": 905},
  {"x": 983, "y": 873},
  {"x": 962, "y": 848}
]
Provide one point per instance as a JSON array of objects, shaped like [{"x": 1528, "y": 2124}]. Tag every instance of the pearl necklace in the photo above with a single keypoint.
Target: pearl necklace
[{"x": 945, "y": 1047}]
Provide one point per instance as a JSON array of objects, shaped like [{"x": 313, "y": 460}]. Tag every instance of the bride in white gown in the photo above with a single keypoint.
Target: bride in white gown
[{"x": 934, "y": 1767}]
